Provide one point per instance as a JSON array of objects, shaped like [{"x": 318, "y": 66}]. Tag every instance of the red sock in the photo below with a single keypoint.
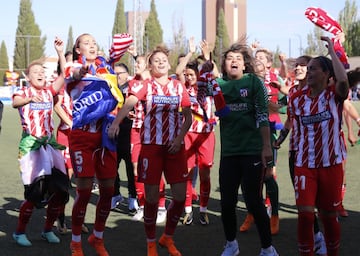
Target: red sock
[
  {"x": 343, "y": 190},
  {"x": 55, "y": 206},
  {"x": 204, "y": 192},
  {"x": 150, "y": 214},
  {"x": 174, "y": 212},
  {"x": 79, "y": 209},
  {"x": 306, "y": 233},
  {"x": 332, "y": 234},
  {"x": 162, "y": 199},
  {"x": 26, "y": 210},
  {"x": 103, "y": 207},
  {"x": 140, "y": 191},
  {"x": 188, "y": 200}
]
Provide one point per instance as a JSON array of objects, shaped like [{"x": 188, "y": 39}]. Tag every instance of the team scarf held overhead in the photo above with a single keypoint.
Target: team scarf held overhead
[{"x": 323, "y": 20}]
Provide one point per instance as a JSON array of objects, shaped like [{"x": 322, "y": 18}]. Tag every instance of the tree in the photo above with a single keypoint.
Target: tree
[
  {"x": 120, "y": 27},
  {"x": 222, "y": 37},
  {"x": 179, "y": 44},
  {"x": 4, "y": 61},
  {"x": 347, "y": 17},
  {"x": 29, "y": 45},
  {"x": 120, "y": 19},
  {"x": 70, "y": 40},
  {"x": 353, "y": 37},
  {"x": 315, "y": 45},
  {"x": 153, "y": 34}
]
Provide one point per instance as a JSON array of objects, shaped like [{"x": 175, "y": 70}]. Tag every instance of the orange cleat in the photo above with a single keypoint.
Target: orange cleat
[
  {"x": 98, "y": 244},
  {"x": 151, "y": 249},
  {"x": 76, "y": 249},
  {"x": 168, "y": 242},
  {"x": 249, "y": 220},
  {"x": 274, "y": 224}
]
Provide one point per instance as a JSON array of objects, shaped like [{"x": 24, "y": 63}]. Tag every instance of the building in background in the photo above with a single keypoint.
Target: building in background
[{"x": 235, "y": 18}]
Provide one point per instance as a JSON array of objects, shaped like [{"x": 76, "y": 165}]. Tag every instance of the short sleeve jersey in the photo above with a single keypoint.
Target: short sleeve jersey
[
  {"x": 240, "y": 129},
  {"x": 162, "y": 108},
  {"x": 200, "y": 126},
  {"x": 318, "y": 121},
  {"x": 37, "y": 117}
]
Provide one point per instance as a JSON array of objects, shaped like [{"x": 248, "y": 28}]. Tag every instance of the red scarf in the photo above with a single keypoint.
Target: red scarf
[{"x": 322, "y": 19}]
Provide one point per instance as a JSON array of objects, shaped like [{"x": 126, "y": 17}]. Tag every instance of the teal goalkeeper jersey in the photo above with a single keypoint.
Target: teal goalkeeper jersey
[{"x": 248, "y": 102}]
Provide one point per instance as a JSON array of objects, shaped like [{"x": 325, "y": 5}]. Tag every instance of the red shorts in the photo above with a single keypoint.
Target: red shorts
[
  {"x": 200, "y": 149},
  {"x": 89, "y": 158},
  {"x": 135, "y": 144},
  {"x": 62, "y": 137},
  {"x": 155, "y": 160},
  {"x": 320, "y": 187}
]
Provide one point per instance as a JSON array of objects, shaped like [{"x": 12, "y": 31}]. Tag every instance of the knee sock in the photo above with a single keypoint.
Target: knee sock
[
  {"x": 79, "y": 210},
  {"x": 332, "y": 233},
  {"x": 150, "y": 214},
  {"x": 205, "y": 187},
  {"x": 306, "y": 233},
  {"x": 55, "y": 206},
  {"x": 188, "y": 200},
  {"x": 26, "y": 210},
  {"x": 174, "y": 212},
  {"x": 162, "y": 199},
  {"x": 103, "y": 208},
  {"x": 140, "y": 191}
]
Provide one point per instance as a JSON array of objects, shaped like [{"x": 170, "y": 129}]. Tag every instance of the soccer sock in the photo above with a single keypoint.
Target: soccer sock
[
  {"x": 332, "y": 233},
  {"x": 140, "y": 191},
  {"x": 343, "y": 190},
  {"x": 174, "y": 212},
  {"x": 188, "y": 200},
  {"x": 205, "y": 186},
  {"x": 150, "y": 214},
  {"x": 103, "y": 207},
  {"x": 162, "y": 199},
  {"x": 26, "y": 210},
  {"x": 79, "y": 210},
  {"x": 306, "y": 233},
  {"x": 55, "y": 206}
]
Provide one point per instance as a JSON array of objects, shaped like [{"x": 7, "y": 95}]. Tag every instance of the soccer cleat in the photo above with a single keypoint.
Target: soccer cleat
[
  {"x": 168, "y": 242},
  {"x": 133, "y": 204},
  {"x": 161, "y": 216},
  {"x": 21, "y": 240},
  {"x": 188, "y": 218},
  {"x": 116, "y": 200},
  {"x": 61, "y": 227},
  {"x": 50, "y": 237},
  {"x": 98, "y": 244},
  {"x": 151, "y": 249},
  {"x": 249, "y": 220},
  {"x": 274, "y": 224},
  {"x": 268, "y": 252},
  {"x": 231, "y": 249},
  {"x": 139, "y": 215},
  {"x": 76, "y": 249},
  {"x": 204, "y": 218},
  {"x": 320, "y": 245}
]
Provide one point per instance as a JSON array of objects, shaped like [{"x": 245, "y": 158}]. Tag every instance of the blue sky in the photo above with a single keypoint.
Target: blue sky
[{"x": 273, "y": 23}]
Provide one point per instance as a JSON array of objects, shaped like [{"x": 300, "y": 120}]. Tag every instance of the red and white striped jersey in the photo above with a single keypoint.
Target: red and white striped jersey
[
  {"x": 198, "y": 125},
  {"x": 139, "y": 114},
  {"x": 37, "y": 117},
  {"x": 162, "y": 108},
  {"x": 66, "y": 105},
  {"x": 318, "y": 121},
  {"x": 294, "y": 135}
]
